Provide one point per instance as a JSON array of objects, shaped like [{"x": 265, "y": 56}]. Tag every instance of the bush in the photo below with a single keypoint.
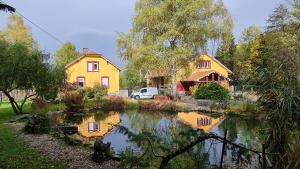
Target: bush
[
  {"x": 245, "y": 106},
  {"x": 193, "y": 90},
  {"x": 38, "y": 103},
  {"x": 98, "y": 91},
  {"x": 131, "y": 104},
  {"x": 161, "y": 98},
  {"x": 73, "y": 140},
  {"x": 110, "y": 103},
  {"x": 74, "y": 100},
  {"x": 38, "y": 124},
  {"x": 212, "y": 91},
  {"x": 90, "y": 92}
]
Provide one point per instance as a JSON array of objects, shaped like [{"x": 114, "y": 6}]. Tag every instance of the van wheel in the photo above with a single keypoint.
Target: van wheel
[{"x": 137, "y": 97}]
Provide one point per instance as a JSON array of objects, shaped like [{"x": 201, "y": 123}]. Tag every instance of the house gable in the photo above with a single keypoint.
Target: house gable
[
  {"x": 95, "y": 74},
  {"x": 210, "y": 64}
]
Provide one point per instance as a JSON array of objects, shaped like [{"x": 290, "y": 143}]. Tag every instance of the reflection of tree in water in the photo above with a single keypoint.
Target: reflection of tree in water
[
  {"x": 99, "y": 116},
  {"x": 74, "y": 118},
  {"x": 231, "y": 125},
  {"x": 243, "y": 131},
  {"x": 140, "y": 121},
  {"x": 166, "y": 137}
]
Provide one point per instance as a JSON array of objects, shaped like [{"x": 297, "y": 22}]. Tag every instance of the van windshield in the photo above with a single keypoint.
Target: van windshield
[{"x": 144, "y": 91}]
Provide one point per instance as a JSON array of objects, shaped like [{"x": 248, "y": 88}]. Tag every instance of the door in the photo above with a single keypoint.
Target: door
[{"x": 105, "y": 81}]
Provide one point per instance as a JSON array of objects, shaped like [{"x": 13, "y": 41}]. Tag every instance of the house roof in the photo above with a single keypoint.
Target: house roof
[
  {"x": 199, "y": 75},
  {"x": 91, "y": 53},
  {"x": 216, "y": 60}
]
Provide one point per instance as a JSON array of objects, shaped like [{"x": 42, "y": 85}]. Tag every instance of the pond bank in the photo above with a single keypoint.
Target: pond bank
[
  {"x": 14, "y": 152},
  {"x": 73, "y": 157}
]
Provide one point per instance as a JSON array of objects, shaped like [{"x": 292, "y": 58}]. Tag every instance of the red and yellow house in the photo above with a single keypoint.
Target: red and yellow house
[
  {"x": 201, "y": 70},
  {"x": 92, "y": 68}
]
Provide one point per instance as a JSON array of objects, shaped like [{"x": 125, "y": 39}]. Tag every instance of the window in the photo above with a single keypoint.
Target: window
[
  {"x": 144, "y": 91},
  {"x": 93, "y": 66},
  {"x": 81, "y": 81},
  {"x": 205, "y": 64},
  {"x": 93, "y": 126},
  {"x": 105, "y": 81}
]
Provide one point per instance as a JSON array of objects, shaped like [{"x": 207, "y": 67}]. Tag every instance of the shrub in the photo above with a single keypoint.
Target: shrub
[
  {"x": 99, "y": 90},
  {"x": 161, "y": 98},
  {"x": 193, "y": 90},
  {"x": 170, "y": 107},
  {"x": 73, "y": 140},
  {"x": 110, "y": 103},
  {"x": 245, "y": 106},
  {"x": 38, "y": 124},
  {"x": 90, "y": 92},
  {"x": 38, "y": 103},
  {"x": 131, "y": 104},
  {"x": 74, "y": 100},
  {"x": 212, "y": 91},
  {"x": 148, "y": 105}
]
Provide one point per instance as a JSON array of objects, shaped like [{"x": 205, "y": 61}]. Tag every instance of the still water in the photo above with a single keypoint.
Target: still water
[{"x": 105, "y": 126}]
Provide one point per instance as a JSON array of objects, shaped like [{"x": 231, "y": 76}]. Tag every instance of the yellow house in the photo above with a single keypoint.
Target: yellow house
[
  {"x": 202, "y": 70},
  {"x": 92, "y": 68},
  {"x": 195, "y": 120},
  {"x": 91, "y": 128}
]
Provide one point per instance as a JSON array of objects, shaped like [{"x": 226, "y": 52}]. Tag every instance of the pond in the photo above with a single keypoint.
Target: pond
[{"x": 105, "y": 125}]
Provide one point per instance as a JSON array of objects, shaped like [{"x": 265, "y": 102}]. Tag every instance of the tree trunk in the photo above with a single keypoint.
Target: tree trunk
[
  {"x": 13, "y": 103},
  {"x": 173, "y": 77}
]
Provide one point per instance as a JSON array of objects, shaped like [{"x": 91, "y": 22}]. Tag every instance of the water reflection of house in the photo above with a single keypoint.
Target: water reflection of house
[
  {"x": 91, "y": 127},
  {"x": 200, "y": 121}
]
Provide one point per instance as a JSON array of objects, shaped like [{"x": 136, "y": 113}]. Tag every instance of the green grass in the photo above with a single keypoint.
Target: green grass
[
  {"x": 50, "y": 107},
  {"x": 14, "y": 153}
]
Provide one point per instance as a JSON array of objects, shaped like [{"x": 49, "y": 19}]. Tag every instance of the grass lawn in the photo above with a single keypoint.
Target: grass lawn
[{"x": 14, "y": 153}]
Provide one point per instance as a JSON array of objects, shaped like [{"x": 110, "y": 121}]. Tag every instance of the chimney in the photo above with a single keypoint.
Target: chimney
[{"x": 85, "y": 50}]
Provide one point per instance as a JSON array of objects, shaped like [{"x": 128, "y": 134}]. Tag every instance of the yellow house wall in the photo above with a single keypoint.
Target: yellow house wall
[
  {"x": 214, "y": 66},
  {"x": 183, "y": 74},
  {"x": 191, "y": 119},
  {"x": 105, "y": 69},
  {"x": 105, "y": 126}
]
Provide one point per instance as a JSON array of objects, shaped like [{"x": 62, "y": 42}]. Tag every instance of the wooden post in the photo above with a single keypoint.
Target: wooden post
[
  {"x": 213, "y": 77},
  {"x": 223, "y": 149},
  {"x": 263, "y": 156}
]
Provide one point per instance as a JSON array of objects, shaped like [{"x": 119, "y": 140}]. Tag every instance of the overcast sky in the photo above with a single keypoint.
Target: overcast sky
[{"x": 94, "y": 23}]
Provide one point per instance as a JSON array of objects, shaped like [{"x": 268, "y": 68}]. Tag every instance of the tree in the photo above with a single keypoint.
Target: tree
[
  {"x": 226, "y": 54},
  {"x": 132, "y": 77},
  {"x": 66, "y": 54},
  {"x": 275, "y": 79},
  {"x": 246, "y": 54},
  {"x": 16, "y": 30},
  {"x": 279, "y": 19},
  {"x": 22, "y": 69},
  {"x": 166, "y": 34},
  {"x": 4, "y": 7}
]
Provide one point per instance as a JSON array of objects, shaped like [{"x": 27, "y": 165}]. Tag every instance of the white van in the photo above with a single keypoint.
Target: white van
[{"x": 145, "y": 93}]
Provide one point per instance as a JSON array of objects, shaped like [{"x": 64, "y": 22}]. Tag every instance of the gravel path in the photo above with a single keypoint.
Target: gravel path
[{"x": 72, "y": 157}]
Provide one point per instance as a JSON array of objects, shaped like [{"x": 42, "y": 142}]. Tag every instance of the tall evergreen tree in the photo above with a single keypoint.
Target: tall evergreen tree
[
  {"x": 226, "y": 55},
  {"x": 279, "y": 19}
]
